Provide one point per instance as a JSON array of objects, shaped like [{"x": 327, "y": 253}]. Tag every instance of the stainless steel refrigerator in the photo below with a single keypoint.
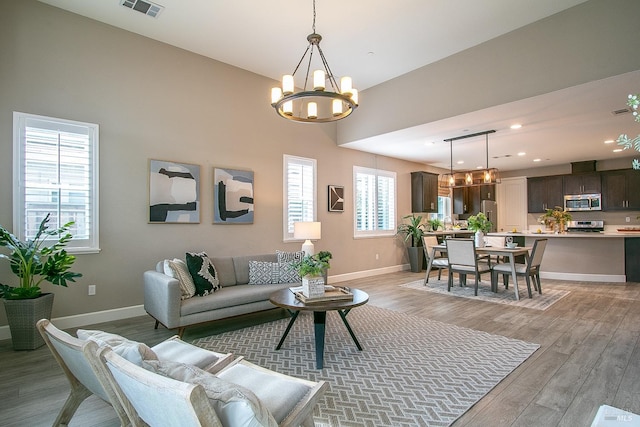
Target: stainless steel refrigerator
[{"x": 490, "y": 209}]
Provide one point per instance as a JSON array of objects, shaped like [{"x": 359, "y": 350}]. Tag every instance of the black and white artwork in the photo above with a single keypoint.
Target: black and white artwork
[
  {"x": 232, "y": 196},
  {"x": 336, "y": 198},
  {"x": 174, "y": 192}
]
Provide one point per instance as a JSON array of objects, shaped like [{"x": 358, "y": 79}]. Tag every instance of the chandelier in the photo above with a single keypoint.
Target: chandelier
[
  {"x": 322, "y": 104},
  {"x": 473, "y": 177}
]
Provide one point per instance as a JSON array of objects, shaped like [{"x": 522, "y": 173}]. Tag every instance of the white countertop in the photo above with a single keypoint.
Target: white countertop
[{"x": 602, "y": 234}]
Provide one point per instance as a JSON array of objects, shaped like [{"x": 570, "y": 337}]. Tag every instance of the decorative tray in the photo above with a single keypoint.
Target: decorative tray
[{"x": 336, "y": 294}]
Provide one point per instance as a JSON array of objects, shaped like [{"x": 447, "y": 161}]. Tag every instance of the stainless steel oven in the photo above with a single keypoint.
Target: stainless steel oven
[{"x": 583, "y": 202}]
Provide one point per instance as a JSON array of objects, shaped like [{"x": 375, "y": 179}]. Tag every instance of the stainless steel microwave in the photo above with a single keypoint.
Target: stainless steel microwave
[{"x": 583, "y": 202}]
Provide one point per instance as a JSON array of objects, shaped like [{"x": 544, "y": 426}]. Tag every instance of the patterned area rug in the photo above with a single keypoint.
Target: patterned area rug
[
  {"x": 412, "y": 371},
  {"x": 503, "y": 296}
]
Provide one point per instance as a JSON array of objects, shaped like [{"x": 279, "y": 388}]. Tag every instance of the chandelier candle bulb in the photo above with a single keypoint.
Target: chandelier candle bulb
[
  {"x": 312, "y": 110},
  {"x": 345, "y": 86},
  {"x": 287, "y": 84},
  {"x": 287, "y": 108},
  {"x": 337, "y": 107},
  {"x": 318, "y": 80},
  {"x": 354, "y": 95},
  {"x": 276, "y": 94}
]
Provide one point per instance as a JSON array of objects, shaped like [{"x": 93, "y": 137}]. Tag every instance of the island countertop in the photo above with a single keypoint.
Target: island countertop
[{"x": 572, "y": 234}]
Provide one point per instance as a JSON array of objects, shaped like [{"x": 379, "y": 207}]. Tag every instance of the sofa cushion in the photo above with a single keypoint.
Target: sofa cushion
[
  {"x": 229, "y": 297},
  {"x": 203, "y": 273},
  {"x": 234, "y": 404},
  {"x": 263, "y": 272},
  {"x": 178, "y": 269},
  {"x": 225, "y": 269},
  {"x": 241, "y": 265},
  {"x": 133, "y": 351}
]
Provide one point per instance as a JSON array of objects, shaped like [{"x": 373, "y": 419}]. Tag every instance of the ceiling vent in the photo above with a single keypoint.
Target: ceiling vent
[
  {"x": 146, "y": 7},
  {"x": 621, "y": 111}
]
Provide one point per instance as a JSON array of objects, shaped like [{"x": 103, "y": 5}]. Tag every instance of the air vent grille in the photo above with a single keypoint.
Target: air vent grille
[
  {"x": 146, "y": 7},
  {"x": 621, "y": 111}
]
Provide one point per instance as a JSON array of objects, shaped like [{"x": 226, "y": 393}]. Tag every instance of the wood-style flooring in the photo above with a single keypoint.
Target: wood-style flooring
[{"x": 589, "y": 355}]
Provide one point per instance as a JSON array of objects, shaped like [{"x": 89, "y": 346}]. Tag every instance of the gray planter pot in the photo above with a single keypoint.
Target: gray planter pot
[
  {"x": 22, "y": 315},
  {"x": 415, "y": 258}
]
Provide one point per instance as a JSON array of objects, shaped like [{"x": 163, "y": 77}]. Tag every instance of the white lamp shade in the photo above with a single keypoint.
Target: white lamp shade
[
  {"x": 287, "y": 84},
  {"x": 276, "y": 94},
  {"x": 318, "y": 80},
  {"x": 337, "y": 107},
  {"x": 345, "y": 85},
  {"x": 312, "y": 110},
  {"x": 307, "y": 230}
]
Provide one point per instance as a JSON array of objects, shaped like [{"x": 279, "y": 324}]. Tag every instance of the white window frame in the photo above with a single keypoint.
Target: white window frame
[
  {"x": 311, "y": 199},
  {"x": 21, "y": 121},
  {"x": 392, "y": 209}
]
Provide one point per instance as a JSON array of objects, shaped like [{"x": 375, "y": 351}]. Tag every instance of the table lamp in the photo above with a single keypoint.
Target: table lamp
[{"x": 308, "y": 231}]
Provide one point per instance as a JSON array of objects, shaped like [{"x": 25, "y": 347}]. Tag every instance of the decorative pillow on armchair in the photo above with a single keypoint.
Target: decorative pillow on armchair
[{"x": 203, "y": 273}]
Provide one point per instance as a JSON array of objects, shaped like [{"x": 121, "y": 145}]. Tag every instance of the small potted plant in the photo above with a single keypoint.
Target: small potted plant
[
  {"x": 34, "y": 261},
  {"x": 413, "y": 231},
  {"x": 313, "y": 270},
  {"x": 555, "y": 218},
  {"x": 435, "y": 224},
  {"x": 481, "y": 225}
]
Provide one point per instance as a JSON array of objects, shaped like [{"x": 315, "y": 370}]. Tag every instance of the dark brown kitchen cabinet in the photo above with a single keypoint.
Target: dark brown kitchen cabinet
[
  {"x": 424, "y": 192},
  {"x": 620, "y": 190},
  {"x": 544, "y": 193},
  {"x": 467, "y": 200},
  {"x": 582, "y": 183},
  {"x": 488, "y": 192}
]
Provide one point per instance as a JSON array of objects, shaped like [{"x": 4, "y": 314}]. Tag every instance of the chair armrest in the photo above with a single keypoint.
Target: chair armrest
[{"x": 162, "y": 298}]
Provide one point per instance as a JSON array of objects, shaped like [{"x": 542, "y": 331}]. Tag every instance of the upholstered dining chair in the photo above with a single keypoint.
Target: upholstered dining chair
[
  {"x": 530, "y": 270},
  {"x": 497, "y": 242},
  {"x": 439, "y": 262},
  {"x": 463, "y": 260},
  {"x": 172, "y": 394},
  {"x": 67, "y": 350}
]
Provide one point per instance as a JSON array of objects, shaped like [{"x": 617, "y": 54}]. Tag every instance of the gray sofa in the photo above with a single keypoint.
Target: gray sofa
[{"x": 162, "y": 294}]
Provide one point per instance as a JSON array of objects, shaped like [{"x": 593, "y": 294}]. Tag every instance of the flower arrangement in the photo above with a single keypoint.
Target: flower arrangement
[
  {"x": 624, "y": 140},
  {"x": 555, "y": 216},
  {"x": 479, "y": 222}
]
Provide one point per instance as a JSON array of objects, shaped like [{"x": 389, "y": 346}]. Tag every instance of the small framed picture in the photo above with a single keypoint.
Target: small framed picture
[{"x": 336, "y": 198}]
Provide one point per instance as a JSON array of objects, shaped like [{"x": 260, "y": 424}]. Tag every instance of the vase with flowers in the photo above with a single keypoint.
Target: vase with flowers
[{"x": 556, "y": 219}]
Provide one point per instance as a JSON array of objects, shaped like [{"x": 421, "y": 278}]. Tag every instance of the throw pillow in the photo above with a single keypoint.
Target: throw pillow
[
  {"x": 289, "y": 256},
  {"x": 263, "y": 272},
  {"x": 203, "y": 273},
  {"x": 288, "y": 273},
  {"x": 178, "y": 269},
  {"x": 133, "y": 351},
  {"x": 234, "y": 404}
]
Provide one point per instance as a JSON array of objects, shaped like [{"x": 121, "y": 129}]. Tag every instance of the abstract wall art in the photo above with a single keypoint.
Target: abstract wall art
[
  {"x": 232, "y": 196},
  {"x": 174, "y": 192},
  {"x": 336, "y": 198}
]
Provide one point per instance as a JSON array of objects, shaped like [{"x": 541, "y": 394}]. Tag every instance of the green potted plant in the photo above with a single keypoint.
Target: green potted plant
[
  {"x": 313, "y": 271},
  {"x": 413, "y": 232},
  {"x": 435, "y": 224},
  {"x": 481, "y": 225},
  {"x": 556, "y": 218},
  {"x": 34, "y": 261}
]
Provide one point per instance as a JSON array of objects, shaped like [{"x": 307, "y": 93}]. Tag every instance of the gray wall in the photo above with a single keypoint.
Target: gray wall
[{"x": 155, "y": 101}]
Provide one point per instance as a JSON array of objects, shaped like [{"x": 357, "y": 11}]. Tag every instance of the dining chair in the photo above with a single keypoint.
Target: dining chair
[
  {"x": 439, "y": 262},
  {"x": 463, "y": 260},
  {"x": 530, "y": 269},
  {"x": 497, "y": 242}
]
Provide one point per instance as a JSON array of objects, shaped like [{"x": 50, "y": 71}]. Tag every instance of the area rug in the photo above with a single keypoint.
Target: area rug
[
  {"x": 412, "y": 371},
  {"x": 503, "y": 296}
]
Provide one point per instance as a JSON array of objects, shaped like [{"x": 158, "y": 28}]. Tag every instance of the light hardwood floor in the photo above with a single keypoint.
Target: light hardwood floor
[{"x": 589, "y": 355}]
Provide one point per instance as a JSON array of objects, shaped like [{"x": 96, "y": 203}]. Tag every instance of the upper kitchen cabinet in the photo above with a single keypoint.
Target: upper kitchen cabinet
[
  {"x": 424, "y": 192},
  {"x": 488, "y": 192},
  {"x": 544, "y": 193},
  {"x": 583, "y": 183},
  {"x": 468, "y": 200},
  {"x": 620, "y": 190}
]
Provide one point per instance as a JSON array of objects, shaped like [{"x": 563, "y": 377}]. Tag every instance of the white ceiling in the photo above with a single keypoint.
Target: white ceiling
[{"x": 386, "y": 39}]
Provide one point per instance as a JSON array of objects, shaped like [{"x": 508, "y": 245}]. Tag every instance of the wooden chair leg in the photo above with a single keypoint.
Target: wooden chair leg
[
  {"x": 537, "y": 276},
  {"x": 439, "y": 273},
  {"x": 426, "y": 278},
  {"x": 450, "y": 281},
  {"x": 156, "y": 325},
  {"x": 76, "y": 397},
  {"x": 505, "y": 279},
  {"x": 528, "y": 285}
]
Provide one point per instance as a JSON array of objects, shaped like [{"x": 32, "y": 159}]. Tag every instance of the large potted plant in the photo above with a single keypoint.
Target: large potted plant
[
  {"x": 412, "y": 232},
  {"x": 481, "y": 225},
  {"x": 313, "y": 271},
  {"x": 34, "y": 261}
]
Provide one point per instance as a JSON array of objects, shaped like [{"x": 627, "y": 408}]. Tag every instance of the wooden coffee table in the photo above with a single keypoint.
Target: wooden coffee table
[{"x": 286, "y": 299}]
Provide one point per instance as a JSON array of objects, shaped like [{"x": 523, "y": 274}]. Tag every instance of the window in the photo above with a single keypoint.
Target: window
[
  {"x": 299, "y": 192},
  {"x": 444, "y": 209},
  {"x": 56, "y": 171},
  {"x": 374, "y": 199}
]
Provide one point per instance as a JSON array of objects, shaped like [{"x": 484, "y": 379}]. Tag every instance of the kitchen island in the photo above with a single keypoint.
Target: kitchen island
[{"x": 587, "y": 256}]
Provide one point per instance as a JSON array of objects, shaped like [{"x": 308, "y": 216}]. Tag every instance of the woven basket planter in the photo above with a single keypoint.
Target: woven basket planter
[{"x": 22, "y": 315}]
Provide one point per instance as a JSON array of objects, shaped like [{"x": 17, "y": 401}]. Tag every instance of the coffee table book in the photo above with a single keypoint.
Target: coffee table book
[{"x": 335, "y": 294}]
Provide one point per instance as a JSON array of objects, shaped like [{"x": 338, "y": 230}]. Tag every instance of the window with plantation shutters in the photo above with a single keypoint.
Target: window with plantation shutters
[
  {"x": 299, "y": 192},
  {"x": 374, "y": 201},
  {"x": 56, "y": 172}
]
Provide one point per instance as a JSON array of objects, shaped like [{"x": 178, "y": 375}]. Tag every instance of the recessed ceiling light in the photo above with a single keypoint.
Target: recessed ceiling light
[
  {"x": 522, "y": 153},
  {"x": 460, "y": 162},
  {"x": 516, "y": 126},
  {"x": 479, "y": 167},
  {"x": 617, "y": 150},
  {"x": 609, "y": 141},
  {"x": 537, "y": 160}
]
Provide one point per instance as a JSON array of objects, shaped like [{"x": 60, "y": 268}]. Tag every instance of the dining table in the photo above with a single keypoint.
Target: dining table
[{"x": 499, "y": 251}]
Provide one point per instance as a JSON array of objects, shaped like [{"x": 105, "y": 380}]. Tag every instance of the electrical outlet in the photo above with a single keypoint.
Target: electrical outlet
[
  {"x": 628, "y": 219},
  {"x": 92, "y": 289}
]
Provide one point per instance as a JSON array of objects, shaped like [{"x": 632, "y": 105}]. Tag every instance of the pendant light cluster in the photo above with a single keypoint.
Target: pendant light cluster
[
  {"x": 322, "y": 104},
  {"x": 473, "y": 177}
]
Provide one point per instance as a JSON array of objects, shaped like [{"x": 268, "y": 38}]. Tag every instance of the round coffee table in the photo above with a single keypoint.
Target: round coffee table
[{"x": 286, "y": 299}]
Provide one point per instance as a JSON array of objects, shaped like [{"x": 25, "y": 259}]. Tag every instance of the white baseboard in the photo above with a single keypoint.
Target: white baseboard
[
  {"x": 84, "y": 319},
  {"x": 367, "y": 273},
  {"x": 580, "y": 277}
]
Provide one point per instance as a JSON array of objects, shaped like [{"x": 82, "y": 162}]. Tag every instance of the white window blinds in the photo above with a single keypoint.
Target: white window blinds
[
  {"x": 374, "y": 201},
  {"x": 299, "y": 192}
]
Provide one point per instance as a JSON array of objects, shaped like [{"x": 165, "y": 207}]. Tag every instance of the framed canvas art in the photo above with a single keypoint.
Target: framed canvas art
[
  {"x": 232, "y": 196},
  {"x": 336, "y": 198},
  {"x": 174, "y": 192}
]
